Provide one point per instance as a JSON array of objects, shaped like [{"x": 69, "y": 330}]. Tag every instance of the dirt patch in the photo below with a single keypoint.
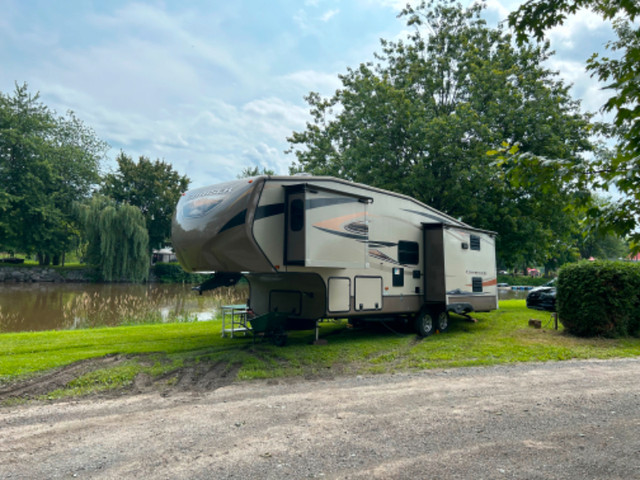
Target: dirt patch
[
  {"x": 202, "y": 376},
  {"x": 42, "y": 384},
  {"x": 199, "y": 377}
]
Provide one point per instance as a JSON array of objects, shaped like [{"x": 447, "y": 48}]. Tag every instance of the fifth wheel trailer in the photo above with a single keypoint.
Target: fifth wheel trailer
[{"x": 320, "y": 247}]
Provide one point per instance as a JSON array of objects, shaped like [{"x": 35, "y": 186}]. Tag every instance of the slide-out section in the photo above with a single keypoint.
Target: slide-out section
[
  {"x": 459, "y": 268},
  {"x": 325, "y": 228}
]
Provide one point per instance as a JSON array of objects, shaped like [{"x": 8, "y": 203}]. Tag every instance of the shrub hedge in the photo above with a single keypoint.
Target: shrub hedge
[{"x": 599, "y": 298}]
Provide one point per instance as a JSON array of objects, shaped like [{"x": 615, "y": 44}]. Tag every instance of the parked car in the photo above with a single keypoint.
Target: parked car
[
  {"x": 543, "y": 298},
  {"x": 12, "y": 260}
]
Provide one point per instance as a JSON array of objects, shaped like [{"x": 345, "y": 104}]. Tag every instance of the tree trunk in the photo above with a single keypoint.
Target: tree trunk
[{"x": 43, "y": 259}]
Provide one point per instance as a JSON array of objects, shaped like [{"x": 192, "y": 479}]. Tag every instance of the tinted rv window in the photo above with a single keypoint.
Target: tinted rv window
[
  {"x": 475, "y": 242},
  {"x": 408, "y": 253},
  {"x": 476, "y": 283},
  {"x": 297, "y": 215}
]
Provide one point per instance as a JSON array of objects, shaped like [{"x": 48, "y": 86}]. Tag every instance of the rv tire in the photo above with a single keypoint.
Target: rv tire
[
  {"x": 443, "y": 321},
  {"x": 425, "y": 322}
]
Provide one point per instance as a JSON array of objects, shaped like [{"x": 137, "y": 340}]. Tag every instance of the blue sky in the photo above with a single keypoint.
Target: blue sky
[{"x": 213, "y": 87}]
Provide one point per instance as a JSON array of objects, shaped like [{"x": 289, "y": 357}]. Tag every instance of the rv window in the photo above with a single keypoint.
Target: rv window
[
  {"x": 408, "y": 253},
  {"x": 297, "y": 215},
  {"x": 476, "y": 283},
  {"x": 475, "y": 242}
]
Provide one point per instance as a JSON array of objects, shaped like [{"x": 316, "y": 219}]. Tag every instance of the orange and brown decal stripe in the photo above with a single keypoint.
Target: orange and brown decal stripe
[{"x": 336, "y": 223}]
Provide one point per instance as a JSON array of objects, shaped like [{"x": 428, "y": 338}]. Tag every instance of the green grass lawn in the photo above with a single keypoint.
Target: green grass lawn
[{"x": 502, "y": 336}]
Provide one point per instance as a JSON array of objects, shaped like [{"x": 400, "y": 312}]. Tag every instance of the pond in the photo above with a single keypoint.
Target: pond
[
  {"x": 61, "y": 306},
  {"x": 516, "y": 293},
  {"x": 58, "y": 306}
]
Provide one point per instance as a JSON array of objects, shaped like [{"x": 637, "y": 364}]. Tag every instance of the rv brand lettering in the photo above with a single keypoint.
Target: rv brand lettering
[
  {"x": 472, "y": 272},
  {"x": 210, "y": 193}
]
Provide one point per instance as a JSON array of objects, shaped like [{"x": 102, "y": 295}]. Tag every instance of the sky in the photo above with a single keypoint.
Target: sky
[{"x": 214, "y": 87}]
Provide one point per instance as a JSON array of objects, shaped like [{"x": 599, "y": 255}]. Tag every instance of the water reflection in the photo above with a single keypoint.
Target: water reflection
[
  {"x": 45, "y": 306},
  {"x": 510, "y": 294}
]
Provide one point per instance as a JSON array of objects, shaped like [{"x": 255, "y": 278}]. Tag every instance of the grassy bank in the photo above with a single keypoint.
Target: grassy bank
[
  {"x": 502, "y": 336},
  {"x": 160, "y": 272}
]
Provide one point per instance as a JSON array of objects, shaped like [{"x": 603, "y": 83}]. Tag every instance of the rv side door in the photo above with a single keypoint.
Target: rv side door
[
  {"x": 295, "y": 246},
  {"x": 434, "y": 263}
]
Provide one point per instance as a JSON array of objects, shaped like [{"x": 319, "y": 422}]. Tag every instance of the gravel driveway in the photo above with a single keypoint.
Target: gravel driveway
[{"x": 566, "y": 420}]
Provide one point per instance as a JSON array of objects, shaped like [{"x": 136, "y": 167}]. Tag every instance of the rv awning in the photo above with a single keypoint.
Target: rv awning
[
  {"x": 306, "y": 187},
  {"x": 462, "y": 227}
]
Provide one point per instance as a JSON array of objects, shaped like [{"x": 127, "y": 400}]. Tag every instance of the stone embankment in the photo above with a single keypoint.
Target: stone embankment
[
  {"x": 43, "y": 274},
  {"x": 55, "y": 275}
]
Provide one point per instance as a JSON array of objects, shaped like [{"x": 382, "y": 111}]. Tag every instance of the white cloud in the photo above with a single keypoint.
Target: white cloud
[
  {"x": 217, "y": 87},
  {"x": 393, "y": 4},
  {"x": 263, "y": 155},
  {"x": 272, "y": 107},
  {"x": 328, "y": 15},
  {"x": 583, "y": 24},
  {"x": 153, "y": 87},
  {"x": 300, "y": 18},
  {"x": 231, "y": 137},
  {"x": 496, "y": 9},
  {"x": 311, "y": 80},
  {"x": 573, "y": 72}
]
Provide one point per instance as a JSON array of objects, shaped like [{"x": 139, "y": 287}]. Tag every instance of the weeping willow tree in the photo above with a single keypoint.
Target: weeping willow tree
[{"x": 117, "y": 238}]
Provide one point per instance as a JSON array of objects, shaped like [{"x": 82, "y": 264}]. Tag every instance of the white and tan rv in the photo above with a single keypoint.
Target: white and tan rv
[{"x": 320, "y": 247}]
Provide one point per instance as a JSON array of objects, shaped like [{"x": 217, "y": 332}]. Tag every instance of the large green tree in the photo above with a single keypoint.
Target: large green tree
[
  {"x": 620, "y": 74},
  {"x": 153, "y": 187},
  {"x": 47, "y": 162},
  {"x": 421, "y": 119},
  {"x": 118, "y": 242},
  {"x": 254, "y": 171}
]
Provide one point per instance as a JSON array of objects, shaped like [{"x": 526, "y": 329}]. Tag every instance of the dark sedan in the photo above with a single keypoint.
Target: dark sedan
[{"x": 543, "y": 298}]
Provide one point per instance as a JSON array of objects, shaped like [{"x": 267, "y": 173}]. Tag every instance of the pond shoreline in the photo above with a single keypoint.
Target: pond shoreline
[{"x": 37, "y": 274}]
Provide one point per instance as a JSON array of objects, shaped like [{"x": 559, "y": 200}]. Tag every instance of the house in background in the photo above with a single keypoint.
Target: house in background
[{"x": 164, "y": 255}]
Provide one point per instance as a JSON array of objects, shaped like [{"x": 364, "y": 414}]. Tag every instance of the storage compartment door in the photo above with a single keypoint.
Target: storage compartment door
[
  {"x": 285, "y": 301},
  {"x": 368, "y": 294},
  {"x": 339, "y": 295}
]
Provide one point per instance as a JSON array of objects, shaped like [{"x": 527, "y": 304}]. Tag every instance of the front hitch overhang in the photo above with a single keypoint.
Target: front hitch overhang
[{"x": 219, "y": 279}]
